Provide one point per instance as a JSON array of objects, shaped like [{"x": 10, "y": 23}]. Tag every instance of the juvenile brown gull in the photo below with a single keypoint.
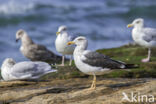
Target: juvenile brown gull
[{"x": 35, "y": 52}]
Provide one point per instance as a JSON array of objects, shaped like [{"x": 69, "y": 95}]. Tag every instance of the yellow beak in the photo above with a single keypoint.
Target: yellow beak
[
  {"x": 130, "y": 25},
  {"x": 57, "y": 33},
  {"x": 71, "y": 42}
]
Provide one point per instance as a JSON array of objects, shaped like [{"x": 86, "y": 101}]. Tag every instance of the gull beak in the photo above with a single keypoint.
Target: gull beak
[
  {"x": 17, "y": 40},
  {"x": 130, "y": 25},
  {"x": 71, "y": 42},
  {"x": 57, "y": 33}
]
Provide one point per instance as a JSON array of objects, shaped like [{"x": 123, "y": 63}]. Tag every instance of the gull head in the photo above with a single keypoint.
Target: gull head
[
  {"x": 19, "y": 34},
  {"x": 8, "y": 62},
  {"x": 79, "y": 41},
  {"x": 61, "y": 29},
  {"x": 137, "y": 23}
]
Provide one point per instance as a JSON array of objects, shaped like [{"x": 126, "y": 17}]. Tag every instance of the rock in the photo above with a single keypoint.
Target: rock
[
  {"x": 69, "y": 85},
  {"x": 73, "y": 91}
]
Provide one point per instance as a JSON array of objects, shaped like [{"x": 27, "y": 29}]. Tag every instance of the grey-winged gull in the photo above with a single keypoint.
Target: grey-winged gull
[
  {"x": 35, "y": 52},
  {"x": 61, "y": 43},
  {"x": 93, "y": 63},
  {"x": 143, "y": 36},
  {"x": 10, "y": 70}
]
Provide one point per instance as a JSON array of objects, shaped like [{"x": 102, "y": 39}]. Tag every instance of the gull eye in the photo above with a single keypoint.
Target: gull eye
[
  {"x": 64, "y": 29},
  {"x": 137, "y": 22},
  {"x": 20, "y": 33},
  {"x": 80, "y": 39}
]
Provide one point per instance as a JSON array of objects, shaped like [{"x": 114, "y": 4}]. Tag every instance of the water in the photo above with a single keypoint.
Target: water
[{"x": 103, "y": 22}]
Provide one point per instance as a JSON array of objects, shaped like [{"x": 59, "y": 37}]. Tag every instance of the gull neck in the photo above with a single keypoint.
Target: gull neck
[
  {"x": 26, "y": 40},
  {"x": 80, "y": 48}
]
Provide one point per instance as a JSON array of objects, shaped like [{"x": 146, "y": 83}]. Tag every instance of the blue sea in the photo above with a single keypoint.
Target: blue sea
[{"x": 103, "y": 22}]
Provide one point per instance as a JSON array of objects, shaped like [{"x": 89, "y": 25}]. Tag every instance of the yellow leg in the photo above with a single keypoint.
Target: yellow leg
[
  {"x": 93, "y": 86},
  {"x": 94, "y": 82}
]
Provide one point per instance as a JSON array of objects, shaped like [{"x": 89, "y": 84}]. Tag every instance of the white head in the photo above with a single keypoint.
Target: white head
[
  {"x": 8, "y": 62},
  {"x": 19, "y": 34},
  {"x": 80, "y": 41},
  {"x": 137, "y": 23},
  {"x": 61, "y": 29}
]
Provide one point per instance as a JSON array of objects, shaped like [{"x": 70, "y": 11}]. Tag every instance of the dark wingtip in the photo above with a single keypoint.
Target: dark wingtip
[{"x": 131, "y": 66}]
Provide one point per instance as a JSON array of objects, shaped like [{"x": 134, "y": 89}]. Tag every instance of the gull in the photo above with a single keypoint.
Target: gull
[
  {"x": 35, "y": 52},
  {"x": 10, "y": 70},
  {"x": 61, "y": 44},
  {"x": 92, "y": 63},
  {"x": 143, "y": 36}
]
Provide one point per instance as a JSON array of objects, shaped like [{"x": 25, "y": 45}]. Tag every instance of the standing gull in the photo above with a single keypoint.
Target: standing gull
[
  {"x": 61, "y": 43},
  {"x": 92, "y": 63},
  {"x": 143, "y": 36},
  {"x": 33, "y": 51},
  {"x": 10, "y": 70}
]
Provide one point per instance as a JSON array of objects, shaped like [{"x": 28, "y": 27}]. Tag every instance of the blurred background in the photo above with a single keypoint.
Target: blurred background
[{"x": 103, "y": 22}]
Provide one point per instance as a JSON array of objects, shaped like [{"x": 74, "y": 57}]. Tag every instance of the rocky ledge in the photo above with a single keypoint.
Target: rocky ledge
[{"x": 69, "y": 85}]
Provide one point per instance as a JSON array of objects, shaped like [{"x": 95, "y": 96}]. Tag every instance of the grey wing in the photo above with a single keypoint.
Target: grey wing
[
  {"x": 39, "y": 52},
  {"x": 100, "y": 60},
  {"x": 24, "y": 70},
  {"x": 150, "y": 34},
  {"x": 44, "y": 67}
]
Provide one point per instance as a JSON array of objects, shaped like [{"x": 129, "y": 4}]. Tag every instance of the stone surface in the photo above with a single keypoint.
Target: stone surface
[{"x": 73, "y": 91}]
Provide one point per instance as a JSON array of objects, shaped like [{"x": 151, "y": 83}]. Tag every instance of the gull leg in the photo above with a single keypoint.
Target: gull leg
[
  {"x": 94, "y": 82},
  {"x": 62, "y": 61},
  {"x": 70, "y": 63},
  {"x": 93, "y": 86},
  {"x": 149, "y": 56}
]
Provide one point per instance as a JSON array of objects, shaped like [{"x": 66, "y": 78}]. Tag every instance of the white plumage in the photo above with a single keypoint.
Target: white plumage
[
  {"x": 61, "y": 43},
  {"x": 10, "y": 70},
  {"x": 92, "y": 63},
  {"x": 143, "y": 36}
]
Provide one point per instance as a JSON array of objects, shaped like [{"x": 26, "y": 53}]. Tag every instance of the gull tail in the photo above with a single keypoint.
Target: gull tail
[
  {"x": 123, "y": 65},
  {"x": 131, "y": 66}
]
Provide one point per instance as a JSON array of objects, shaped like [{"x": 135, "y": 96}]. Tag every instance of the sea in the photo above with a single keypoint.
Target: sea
[{"x": 103, "y": 22}]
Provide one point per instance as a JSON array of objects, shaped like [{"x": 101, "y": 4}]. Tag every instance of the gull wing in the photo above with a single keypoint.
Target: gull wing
[
  {"x": 150, "y": 34},
  {"x": 30, "y": 70},
  {"x": 39, "y": 52},
  {"x": 99, "y": 60}
]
